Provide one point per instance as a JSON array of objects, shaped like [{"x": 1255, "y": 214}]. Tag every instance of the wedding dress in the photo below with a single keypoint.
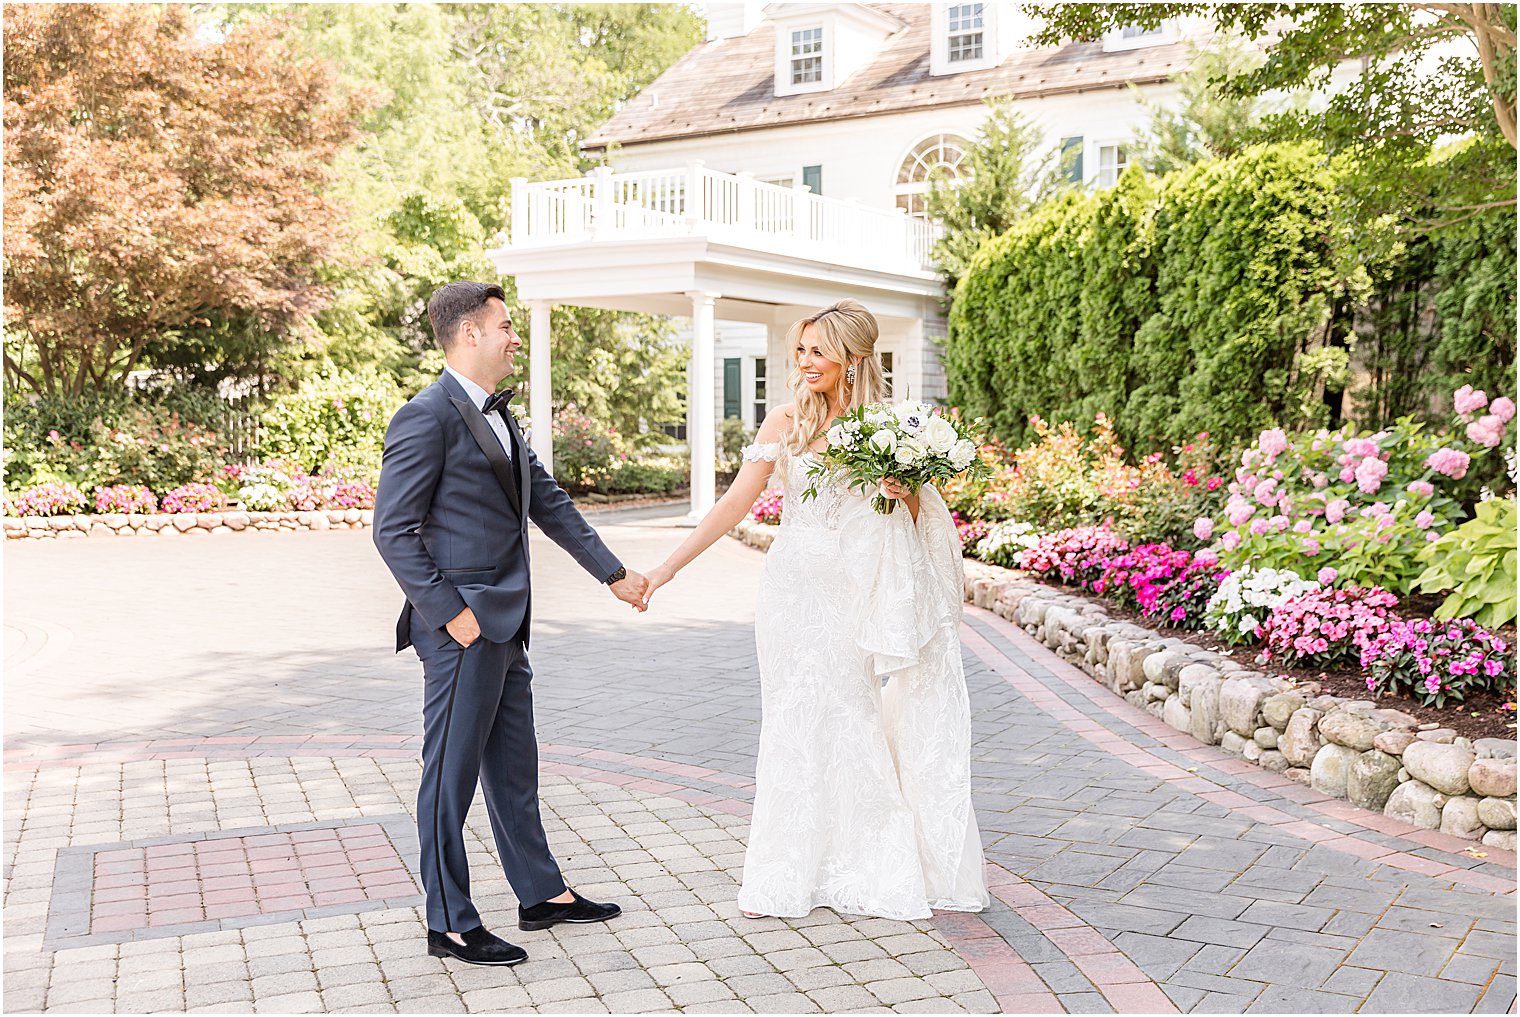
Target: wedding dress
[{"x": 862, "y": 790}]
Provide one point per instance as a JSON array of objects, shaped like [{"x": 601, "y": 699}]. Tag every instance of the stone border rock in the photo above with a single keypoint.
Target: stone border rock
[
  {"x": 1376, "y": 758},
  {"x": 181, "y": 524}
]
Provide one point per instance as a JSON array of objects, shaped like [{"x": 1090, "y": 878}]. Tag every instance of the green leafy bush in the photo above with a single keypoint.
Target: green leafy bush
[
  {"x": 1476, "y": 562},
  {"x": 336, "y": 419},
  {"x": 643, "y": 476},
  {"x": 585, "y": 451}
]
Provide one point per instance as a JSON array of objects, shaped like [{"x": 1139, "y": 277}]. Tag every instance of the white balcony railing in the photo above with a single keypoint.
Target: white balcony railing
[{"x": 729, "y": 208}]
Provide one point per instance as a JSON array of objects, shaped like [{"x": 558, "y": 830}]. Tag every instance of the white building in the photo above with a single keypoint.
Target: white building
[{"x": 782, "y": 164}]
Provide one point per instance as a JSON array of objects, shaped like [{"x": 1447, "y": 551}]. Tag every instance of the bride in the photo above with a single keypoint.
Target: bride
[{"x": 862, "y": 790}]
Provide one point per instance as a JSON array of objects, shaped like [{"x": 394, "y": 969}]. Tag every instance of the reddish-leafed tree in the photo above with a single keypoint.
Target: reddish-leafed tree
[{"x": 157, "y": 175}]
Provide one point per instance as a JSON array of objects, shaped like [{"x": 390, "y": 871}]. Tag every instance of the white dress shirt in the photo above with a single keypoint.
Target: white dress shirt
[{"x": 479, "y": 396}]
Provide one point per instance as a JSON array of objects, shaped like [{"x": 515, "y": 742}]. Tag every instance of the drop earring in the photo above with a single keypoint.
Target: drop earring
[{"x": 849, "y": 375}]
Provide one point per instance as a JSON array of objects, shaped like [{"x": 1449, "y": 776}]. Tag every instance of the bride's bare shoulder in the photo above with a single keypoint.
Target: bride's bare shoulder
[{"x": 776, "y": 423}]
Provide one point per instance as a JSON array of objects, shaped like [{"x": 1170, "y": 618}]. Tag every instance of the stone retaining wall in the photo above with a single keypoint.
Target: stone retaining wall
[
  {"x": 1377, "y": 758},
  {"x": 181, "y": 524}
]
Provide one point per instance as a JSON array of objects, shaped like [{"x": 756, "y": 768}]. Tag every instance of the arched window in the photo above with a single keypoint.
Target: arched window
[{"x": 937, "y": 157}]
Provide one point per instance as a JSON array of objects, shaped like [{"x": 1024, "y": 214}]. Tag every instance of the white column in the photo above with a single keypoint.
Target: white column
[
  {"x": 541, "y": 399},
  {"x": 701, "y": 416}
]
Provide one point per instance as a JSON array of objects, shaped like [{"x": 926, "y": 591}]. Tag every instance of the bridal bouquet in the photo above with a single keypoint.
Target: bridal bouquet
[{"x": 912, "y": 443}]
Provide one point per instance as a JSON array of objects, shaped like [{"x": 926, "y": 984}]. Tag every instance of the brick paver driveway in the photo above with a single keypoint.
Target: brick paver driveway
[{"x": 211, "y": 766}]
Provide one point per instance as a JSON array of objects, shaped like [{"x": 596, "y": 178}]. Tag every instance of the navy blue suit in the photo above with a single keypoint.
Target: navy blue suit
[{"x": 451, "y": 522}]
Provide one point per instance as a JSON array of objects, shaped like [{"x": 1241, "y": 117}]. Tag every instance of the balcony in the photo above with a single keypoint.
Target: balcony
[{"x": 730, "y": 209}]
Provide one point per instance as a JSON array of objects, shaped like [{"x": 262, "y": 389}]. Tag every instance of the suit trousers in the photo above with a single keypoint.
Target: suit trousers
[{"x": 477, "y": 726}]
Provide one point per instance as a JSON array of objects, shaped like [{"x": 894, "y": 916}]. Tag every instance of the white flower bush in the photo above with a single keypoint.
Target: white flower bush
[
  {"x": 1247, "y": 596},
  {"x": 1002, "y": 544}
]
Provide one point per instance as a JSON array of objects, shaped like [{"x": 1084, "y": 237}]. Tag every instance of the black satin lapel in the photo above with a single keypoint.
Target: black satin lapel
[
  {"x": 520, "y": 460},
  {"x": 481, "y": 431}
]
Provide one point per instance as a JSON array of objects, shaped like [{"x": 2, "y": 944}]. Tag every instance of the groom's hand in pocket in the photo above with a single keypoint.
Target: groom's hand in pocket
[{"x": 463, "y": 629}]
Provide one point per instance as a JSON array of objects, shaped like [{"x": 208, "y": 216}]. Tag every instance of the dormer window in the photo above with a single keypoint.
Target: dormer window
[
  {"x": 1137, "y": 36},
  {"x": 807, "y": 55},
  {"x": 967, "y": 22}
]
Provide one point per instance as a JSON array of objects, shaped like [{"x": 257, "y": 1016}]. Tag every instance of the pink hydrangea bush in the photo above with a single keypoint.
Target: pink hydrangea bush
[
  {"x": 194, "y": 497},
  {"x": 767, "y": 507},
  {"x": 352, "y": 494},
  {"x": 125, "y": 499},
  {"x": 1326, "y": 627},
  {"x": 1074, "y": 556},
  {"x": 49, "y": 500},
  {"x": 1362, "y": 503},
  {"x": 1438, "y": 661}
]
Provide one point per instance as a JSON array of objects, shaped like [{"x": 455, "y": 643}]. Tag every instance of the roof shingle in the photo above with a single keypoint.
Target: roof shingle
[{"x": 727, "y": 84}]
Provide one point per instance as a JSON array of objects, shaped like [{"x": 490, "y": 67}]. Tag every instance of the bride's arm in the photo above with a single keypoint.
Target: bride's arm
[{"x": 730, "y": 508}]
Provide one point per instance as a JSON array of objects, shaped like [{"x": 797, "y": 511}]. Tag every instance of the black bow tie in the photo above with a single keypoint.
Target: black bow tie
[{"x": 498, "y": 401}]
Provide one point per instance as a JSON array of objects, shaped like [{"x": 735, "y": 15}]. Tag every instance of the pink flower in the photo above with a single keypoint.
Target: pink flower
[
  {"x": 1303, "y": 526},
  {"x": 1449, "y": 462},
  {"x": 1280, "y": 524},
  {"x": 1203, "y": 528},
  {"x": 1213, "y": 483},
  {"x": 1336, "y": 510},
  {"x": 1273, "y": 443},
  {"x": 1230, "y": 541},
  {"x": 1309, "y": 546},
  {"x": 1369, "y": 475},
  {"x": 1238, "y": 513},
  {"x": 1421, "y": 488},
  {"x": 1347, "y": 474},
  {"x": 1362, "y": 447},
  {"x": 1258, "y": 527},
  {"x": 1264, "y": 491},
  {"x": 1487, "y": 431},
  {"x": 1503, "y": 408},
  {"x": 1319, "y": 480},
  {"x": 1327, "y": 575},
  {"x": 1423, "y": 520},
  {"x": 1467, "y": 401}
]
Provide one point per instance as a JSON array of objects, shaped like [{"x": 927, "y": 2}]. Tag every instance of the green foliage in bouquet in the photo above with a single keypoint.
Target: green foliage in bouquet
[{"x": 1476, "y": 562}]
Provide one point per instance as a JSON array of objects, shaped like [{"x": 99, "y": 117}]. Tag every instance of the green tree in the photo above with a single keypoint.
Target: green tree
[
  {"x": 1001, "y": 179},
  {"x": 157, "y": 180},
  {"x": 1406, "y": 101},
  {"x": 1204, "y": 123}
]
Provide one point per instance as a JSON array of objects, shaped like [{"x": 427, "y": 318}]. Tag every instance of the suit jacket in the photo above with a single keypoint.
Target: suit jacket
[{"x": 452, "y": 511}]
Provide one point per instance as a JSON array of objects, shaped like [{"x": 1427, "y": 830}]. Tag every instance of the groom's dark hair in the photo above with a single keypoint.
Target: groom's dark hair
[{"x": 453, "y": 303}]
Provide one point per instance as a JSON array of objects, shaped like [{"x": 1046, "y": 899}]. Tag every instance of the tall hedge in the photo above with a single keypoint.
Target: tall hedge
[{"x": 1228, "y": 296}]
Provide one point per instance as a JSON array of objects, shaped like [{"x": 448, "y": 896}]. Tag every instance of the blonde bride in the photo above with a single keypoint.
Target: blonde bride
[{"x": 863, "y": 783}]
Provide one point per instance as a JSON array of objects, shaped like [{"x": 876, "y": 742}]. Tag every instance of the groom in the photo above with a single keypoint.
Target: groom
[{"x": 457, "y": 487}]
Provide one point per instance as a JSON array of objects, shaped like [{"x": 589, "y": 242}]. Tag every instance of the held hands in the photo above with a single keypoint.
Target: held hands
[
  {"x": 893, "y": 488},
  {"x": 631, "y": 590},
  {"x": 658, "y": 577}
]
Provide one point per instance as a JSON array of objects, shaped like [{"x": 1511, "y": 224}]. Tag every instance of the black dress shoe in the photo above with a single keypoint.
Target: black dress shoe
[
  {"x": 479, "y": 947},
  {"x": 579, "y": 911}
]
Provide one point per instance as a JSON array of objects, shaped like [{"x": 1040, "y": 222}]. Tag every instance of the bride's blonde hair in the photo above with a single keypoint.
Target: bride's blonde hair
[{"x": 846, "y": 333}]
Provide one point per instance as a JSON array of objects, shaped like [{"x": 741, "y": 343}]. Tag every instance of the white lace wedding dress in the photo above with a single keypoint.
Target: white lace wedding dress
[{"x": 862, "y": 790}]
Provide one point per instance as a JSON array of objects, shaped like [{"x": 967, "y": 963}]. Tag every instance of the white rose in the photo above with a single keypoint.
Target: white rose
[
  {"x": 962, "y": 454},
  {"x": 837, "y": 436},
  {"x": 905, "y": 454},
  {"x": 940, "y": 435},
  {"x": 884, "y": 440}
]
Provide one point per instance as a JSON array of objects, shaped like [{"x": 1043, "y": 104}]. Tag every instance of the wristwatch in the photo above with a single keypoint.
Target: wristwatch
[{"x": 618, "y": 576}]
